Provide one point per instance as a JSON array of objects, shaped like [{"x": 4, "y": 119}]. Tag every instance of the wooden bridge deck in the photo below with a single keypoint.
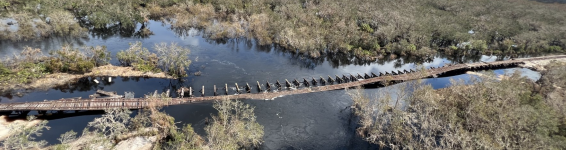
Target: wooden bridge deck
[{"x": 138, "y": 103}]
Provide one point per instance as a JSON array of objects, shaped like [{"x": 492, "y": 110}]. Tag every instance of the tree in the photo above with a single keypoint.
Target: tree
[{"x": 23, "y": 135}]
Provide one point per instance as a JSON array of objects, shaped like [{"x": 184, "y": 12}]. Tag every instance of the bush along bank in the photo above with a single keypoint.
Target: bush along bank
[
  {"x": 31, "y": 69},
  {"x": 234, "y": 127},
  {"x": 510, "y": 113},
  {"x": 367, "y": 29}
]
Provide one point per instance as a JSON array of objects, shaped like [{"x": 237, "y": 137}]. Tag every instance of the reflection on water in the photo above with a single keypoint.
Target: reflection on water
[{"x": 306, "y": 121}]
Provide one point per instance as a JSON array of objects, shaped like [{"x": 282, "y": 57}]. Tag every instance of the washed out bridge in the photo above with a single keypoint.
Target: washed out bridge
[{"x": 269, "y": 91}]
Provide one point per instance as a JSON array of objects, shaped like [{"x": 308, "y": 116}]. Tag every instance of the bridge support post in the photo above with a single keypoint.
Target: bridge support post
[
  {"x": 278, "y": 84},
  {"x": 237, "y": 88},
  {"x": 202, "y": 91},
  {"x": 353, "y": 78},
  {"x": 314, "y": 81},
  {"x": 258, "y": 86},
  {"x": 248, "y": 88},
  {"x": 226, "y": 88},
  {"x": 322, "y": 80},
  {"x": 190, "y": 91},
  {"x": 214, "y": 90},
  {"x": 344, "y": 78}
]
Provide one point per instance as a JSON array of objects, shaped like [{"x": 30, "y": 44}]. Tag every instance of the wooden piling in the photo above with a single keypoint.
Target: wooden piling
[
  {"x": 360, "y": 76},
  {"x": 258, "y": 86},
  {"x": 278, "y": 84},
  {"x": 226, "y": 88},
  {"x": 322, "y": 80},
  {"x": 237, "y": 88},
  {"x": 338, "y": 79},
  {"x": 306, "y": 82},
  {"x": 297, "y": 83},
  {"x": 268, "y": 86},
  {"x": 366, "y": 76},
  {"x": 314, "y": 82},
  {"x": 190, "y": 91},
  {"x": 287, "y": 83},
  {"x": 202, "y": 91},
  {"x": 330, "y": 79},
  {"x": 248, "y": 88},
  {"x": 353, "y": 78},
  {"x": 214, "y": 90},
  {"x": 345, "y": 78}
]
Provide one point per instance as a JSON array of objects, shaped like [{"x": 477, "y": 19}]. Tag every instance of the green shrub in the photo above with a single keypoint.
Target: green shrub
[
  {"x": 69, "y": 60},
  {"x": 25, "y": 73},
  {"x": 554, "y": 49},
  {"x": 173, "y": 59},
  {"x": 453, "y": 48},
  {"x": 366, "y": 28},
  {"x": 138, "y": 57},
  {"x": 412, "y": 48},
  {"x": 235, "y": 126},
  {"x": 99, "y": 55},
  {"x": 4, "y": 70},
  {"x": 479, "y": 45}
]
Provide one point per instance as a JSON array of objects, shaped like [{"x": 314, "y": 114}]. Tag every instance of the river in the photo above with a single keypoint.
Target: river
[{"x": 306, "y": 121}]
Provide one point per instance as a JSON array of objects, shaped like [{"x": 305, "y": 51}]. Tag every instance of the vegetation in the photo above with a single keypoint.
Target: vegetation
[
  {"x": 171, "y": 58},
  {"x": 234, "y": 127},
  {"x": 23, "y": 137},
  {"x": 138, "y": 57},
  {"x": 31, "y": 63},
  {"x": 22, "y": 67},
  {"x": 483, "y": 114},
  {"x": 364, "y": 28},
  {"x": 399, "y": 27}
]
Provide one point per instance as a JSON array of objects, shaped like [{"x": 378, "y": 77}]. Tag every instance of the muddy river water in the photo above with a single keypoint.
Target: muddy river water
[{"x": 306, "y": 121}]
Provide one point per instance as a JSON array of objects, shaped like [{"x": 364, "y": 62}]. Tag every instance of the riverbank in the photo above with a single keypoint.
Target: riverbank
[
  {"x": 486, "y": 112},
  {"x": 367, "y": 30},
  {"x": 234, "y": 127},
  {"x": 57, "y": 79},
  {"x": 31, "y": 69}
]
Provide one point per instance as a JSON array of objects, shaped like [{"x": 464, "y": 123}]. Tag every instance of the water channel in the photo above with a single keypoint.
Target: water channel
[{"x": 306, "y": 121}]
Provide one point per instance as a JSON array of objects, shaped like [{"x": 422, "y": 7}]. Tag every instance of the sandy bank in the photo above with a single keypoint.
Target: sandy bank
[{"x": 57, "y": 79}]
